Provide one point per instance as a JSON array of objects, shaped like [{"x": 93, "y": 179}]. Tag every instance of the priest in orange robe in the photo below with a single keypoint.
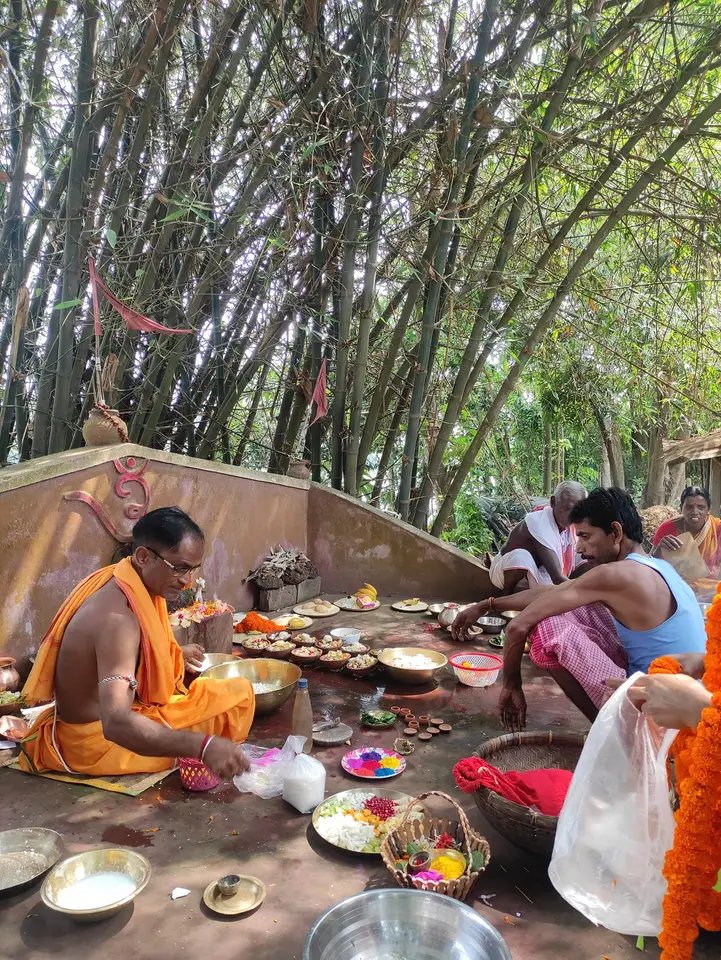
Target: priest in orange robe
[{"x": 115, "y": 671}]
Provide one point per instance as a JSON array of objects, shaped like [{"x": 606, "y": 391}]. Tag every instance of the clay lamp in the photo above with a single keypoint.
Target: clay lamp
[{"x": 424, "y": 719}]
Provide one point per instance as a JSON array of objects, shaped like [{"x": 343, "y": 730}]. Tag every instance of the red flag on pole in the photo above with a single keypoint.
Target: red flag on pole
[
  {"x": 319, "y": 394},
  {"x": 133, "y": 319}
]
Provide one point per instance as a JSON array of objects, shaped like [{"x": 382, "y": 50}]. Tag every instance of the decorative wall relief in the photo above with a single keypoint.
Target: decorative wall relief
[{"x": 130, "y": 472}]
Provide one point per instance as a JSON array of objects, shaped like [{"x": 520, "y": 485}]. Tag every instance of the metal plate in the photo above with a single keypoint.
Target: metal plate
[
  {"x": 404, "y": 608},
  {"x": 249, "y": 895},
  {"x": 351, "y": 763},
  {"x": 25, "y": 855},
  {"x": 348, "y": 603},
  {"x": 303, "y": 610},
  {"x": 283, "y": 621},
  {"x": 348, "y": 794}
]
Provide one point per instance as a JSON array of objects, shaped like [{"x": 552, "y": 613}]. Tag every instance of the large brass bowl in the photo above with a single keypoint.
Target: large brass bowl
[
  {"x": 410, "y": 676},
  {"x": 92, "y": 864},
  {"x": 25, "y": 855},
  {"x": 210, "y": 660},
  {"x": 260, "y": 670}
]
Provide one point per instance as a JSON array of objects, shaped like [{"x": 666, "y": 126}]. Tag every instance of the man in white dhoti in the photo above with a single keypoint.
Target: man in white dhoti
[{"x": 542, "y": 547}]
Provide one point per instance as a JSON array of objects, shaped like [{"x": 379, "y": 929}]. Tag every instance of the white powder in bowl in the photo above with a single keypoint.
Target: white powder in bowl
[
  {"x": 267, "y": 687},
  {"x": 413, "y": 661}
]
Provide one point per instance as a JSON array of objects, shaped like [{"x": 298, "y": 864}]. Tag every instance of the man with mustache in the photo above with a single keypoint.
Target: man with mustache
[{"x": 628, "y": 609}]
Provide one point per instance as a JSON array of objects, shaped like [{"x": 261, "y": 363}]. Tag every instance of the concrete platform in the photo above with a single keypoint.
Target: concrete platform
[{"x": 192, "y": 839}]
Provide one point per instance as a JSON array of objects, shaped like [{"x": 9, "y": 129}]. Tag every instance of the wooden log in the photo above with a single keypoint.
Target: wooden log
[{"x": 215, "y": 635}]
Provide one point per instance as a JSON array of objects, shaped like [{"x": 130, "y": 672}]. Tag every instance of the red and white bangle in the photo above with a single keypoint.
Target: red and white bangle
[{"x": 204, "y": 746}]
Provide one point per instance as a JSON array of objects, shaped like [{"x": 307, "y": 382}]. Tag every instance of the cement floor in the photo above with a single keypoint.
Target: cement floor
[{"x": 192, "y": 839}]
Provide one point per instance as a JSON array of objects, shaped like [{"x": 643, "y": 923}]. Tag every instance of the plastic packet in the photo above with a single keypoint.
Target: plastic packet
[
  {"x": 304, "y": 783},
  {"x": 617, "y": 824},
  {"x": 267, "y": 768}
]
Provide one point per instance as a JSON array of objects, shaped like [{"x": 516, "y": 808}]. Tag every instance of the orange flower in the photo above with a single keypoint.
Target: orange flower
[
  {"x": 693, "y": 863},
  {"x": 254, "y": 622}
]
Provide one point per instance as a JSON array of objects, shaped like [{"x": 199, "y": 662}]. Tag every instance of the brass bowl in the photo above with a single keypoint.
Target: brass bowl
[
  {"x": 210, "y": 660},
  {"x": 92, "y": 864},
  {"x": 261, "y": 670},
  {"x": 410, "y": 676},
  {"x": 25, "y": 855}
]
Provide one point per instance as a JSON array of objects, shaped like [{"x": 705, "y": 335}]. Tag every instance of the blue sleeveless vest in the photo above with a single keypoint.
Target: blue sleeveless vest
[{"x": 683, "y": 632}]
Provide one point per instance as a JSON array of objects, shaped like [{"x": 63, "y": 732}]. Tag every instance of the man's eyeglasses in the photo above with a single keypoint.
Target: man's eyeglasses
[{"x": 178, "y": 571}]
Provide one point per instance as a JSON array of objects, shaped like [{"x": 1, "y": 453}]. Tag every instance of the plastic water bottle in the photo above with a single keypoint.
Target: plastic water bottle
[{"x": 303, "y": 715}]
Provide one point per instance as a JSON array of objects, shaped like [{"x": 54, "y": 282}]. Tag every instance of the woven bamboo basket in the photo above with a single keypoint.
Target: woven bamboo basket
[
  {"x": 394, "y": 845},
  {"x": 526, "y": 751}
]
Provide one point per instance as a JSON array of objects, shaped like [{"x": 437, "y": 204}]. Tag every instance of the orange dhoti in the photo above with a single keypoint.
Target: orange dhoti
[{"x": 220, "y": 707}]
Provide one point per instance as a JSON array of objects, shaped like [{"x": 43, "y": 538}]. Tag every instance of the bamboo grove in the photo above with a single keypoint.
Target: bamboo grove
[{"x": 464, "y": 207}]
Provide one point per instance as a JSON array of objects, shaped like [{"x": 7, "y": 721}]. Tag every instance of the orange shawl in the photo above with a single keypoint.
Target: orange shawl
[
  {"x": 160, "y": 669},
  {"x": 220, "y": 707}
]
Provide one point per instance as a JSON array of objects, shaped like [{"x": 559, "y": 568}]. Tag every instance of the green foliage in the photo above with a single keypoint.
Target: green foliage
[{"x": 470, "y": 532}]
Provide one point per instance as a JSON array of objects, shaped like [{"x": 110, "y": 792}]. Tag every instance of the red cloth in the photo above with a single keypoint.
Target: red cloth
[
  {"x": 668, "y": 528},
  {"x": 541, "y": 790},
  {"x": 319, "y": 394},
  {"x": 133, "y": 319}
]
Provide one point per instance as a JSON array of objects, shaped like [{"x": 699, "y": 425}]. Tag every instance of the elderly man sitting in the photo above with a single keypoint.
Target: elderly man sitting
[{"x": 542, "y": 547}]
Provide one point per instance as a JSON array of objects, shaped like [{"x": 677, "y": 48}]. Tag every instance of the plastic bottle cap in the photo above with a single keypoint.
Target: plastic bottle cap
[{"x": 302, "y": 684}]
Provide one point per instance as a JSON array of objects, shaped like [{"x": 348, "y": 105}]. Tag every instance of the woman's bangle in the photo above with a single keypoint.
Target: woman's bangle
[{"x": 204, "y": 746}]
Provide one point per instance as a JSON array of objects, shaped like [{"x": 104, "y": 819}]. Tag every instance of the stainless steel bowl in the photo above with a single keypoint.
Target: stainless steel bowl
[
  {"x": 491, "y": 624},
  {"x": 260, "y": 670},
  {"x": 25, "y": 855},
  {"x": 408, "y": 675},
  {"x": 84, "y": 872},
  {"x": 404, "y": 923}
]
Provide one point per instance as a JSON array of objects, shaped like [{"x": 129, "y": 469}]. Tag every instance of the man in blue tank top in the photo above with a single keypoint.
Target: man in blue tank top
[{"x": 614, "y": 620}]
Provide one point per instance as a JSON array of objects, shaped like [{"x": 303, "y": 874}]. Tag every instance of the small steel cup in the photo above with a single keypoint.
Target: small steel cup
[{"x": 228, "y": 885}]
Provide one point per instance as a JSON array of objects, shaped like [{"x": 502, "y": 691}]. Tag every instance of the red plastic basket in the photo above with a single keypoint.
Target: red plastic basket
[
  {"x": 480, "y": 670},
  {"x": 194, "y": 775}
]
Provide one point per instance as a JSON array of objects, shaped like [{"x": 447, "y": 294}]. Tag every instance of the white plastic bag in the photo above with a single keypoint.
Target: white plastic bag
[
  {"x": 304, "y": 783},
  {"x": 617, "y": 824},
  {"x": 267, "y": 768}
]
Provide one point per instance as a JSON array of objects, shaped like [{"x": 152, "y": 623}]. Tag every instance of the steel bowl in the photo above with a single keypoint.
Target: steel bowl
[
  {"x": 410, "y": 676},
  {"x": 25, "y": 855},
  {"x": 492, "y": 625},
  {"x": 403, "y": 923},
  {"x": 260, "y": 670},
  {"x": 90, "y": 866},
  {"x": 509, "y": 614}
]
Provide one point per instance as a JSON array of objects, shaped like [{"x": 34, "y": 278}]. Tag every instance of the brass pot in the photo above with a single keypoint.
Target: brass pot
[
  {"x": 9, "y": 677},
  {"x": 104, "y": 427}
]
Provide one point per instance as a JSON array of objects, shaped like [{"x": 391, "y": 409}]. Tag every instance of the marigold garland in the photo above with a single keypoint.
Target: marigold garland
[{"x": 693, "y": 863}]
